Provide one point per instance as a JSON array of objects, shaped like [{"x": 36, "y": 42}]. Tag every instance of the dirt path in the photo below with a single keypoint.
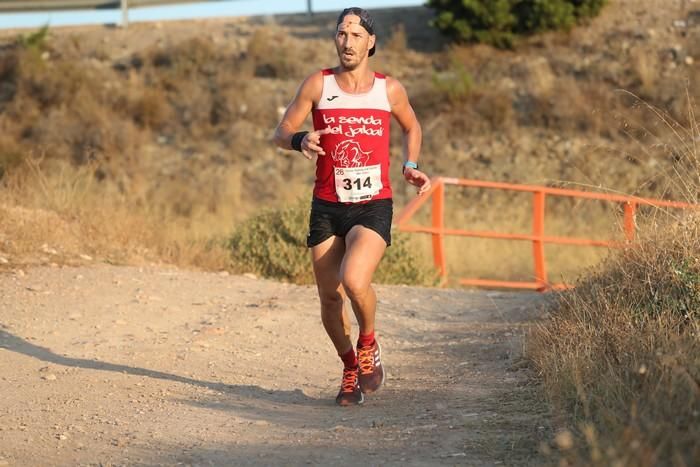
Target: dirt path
[{"x": 126, "y": 366}]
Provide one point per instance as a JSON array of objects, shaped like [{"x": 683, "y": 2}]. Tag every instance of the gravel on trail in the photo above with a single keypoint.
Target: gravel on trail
[{"x": 109, "y": 365}]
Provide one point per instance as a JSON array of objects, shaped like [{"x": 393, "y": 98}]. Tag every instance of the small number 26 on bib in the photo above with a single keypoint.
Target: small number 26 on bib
[{"x": 355, "y": 184}]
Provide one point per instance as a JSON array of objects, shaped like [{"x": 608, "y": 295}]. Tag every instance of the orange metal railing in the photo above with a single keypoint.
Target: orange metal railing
[{"x": 538, "y": 237}]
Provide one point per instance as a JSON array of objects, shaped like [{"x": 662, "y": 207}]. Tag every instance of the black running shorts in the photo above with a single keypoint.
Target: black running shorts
[{"x": 328, "y": 219}]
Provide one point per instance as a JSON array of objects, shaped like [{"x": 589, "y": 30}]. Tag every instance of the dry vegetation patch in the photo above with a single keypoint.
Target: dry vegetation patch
[
  {"x": 69, "y": 218},
  {"x": 620, "y": 354}
]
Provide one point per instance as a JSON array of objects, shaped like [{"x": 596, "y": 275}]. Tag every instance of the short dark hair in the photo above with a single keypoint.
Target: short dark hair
[{"x": 366, "y": 21}]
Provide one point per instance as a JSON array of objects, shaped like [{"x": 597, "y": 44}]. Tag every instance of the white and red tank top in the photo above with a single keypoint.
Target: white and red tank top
[{"x": 355, "y": 168}]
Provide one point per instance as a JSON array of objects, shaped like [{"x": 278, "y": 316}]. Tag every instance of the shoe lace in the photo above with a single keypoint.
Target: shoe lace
[
  {"x": 349, "y": 380},
  {"x": 365, "y": 357}
]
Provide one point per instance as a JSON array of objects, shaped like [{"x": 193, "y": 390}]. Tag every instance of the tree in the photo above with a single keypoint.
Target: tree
[{"x": 498, "y": 22}]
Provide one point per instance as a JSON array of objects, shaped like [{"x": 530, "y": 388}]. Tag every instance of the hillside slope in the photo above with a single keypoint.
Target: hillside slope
[{"x": 173, "y": 120}]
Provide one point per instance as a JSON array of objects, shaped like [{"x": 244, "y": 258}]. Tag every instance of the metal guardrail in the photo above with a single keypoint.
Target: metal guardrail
[
  {"x": 16, "y": 6},
  {"x": 541, "y": 283},
  {"x": 12, "y": 6},
  {"x": 20, "y": 6}
]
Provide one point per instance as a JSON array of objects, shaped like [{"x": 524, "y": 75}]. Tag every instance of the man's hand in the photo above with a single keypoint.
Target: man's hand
[
  {"x": 311, "y": 144},
  {"x": 417, "y": 178}
]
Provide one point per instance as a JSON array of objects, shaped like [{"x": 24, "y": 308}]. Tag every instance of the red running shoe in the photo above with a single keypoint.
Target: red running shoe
[
  {"x": 371, "y": 370},
  {"x": 350, "y": 393}
]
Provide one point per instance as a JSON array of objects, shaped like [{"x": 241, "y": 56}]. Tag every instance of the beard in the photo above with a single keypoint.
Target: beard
[{"x": 349, "y": 61}]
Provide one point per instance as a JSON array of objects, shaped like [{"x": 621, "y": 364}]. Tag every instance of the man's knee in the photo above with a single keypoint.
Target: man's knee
[
  {"x": 330, "y": 301},
  {"x": 355, "y": 285}
]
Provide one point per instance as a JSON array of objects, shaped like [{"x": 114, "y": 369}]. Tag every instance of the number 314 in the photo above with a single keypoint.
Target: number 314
[{"x": 358, "y": 182}]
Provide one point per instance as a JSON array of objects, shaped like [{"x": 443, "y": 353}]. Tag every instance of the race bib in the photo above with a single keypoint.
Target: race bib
[{"x": 355, "y": 184}]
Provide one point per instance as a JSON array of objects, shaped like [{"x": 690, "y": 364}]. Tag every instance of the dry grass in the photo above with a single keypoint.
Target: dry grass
[
  {"x": 397, "y": 42},
  {"x": 620, "y": 355},
  {"x": 56, "y": 214},
  {"x": 53, "y": 213}
]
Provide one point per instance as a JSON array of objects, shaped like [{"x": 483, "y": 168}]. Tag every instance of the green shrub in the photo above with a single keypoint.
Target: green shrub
[
  {"x": 402, "y": 265},
  {"x": 539, "y": 15},
  {"x": 35, "y": 40},
  {"x": 486, "y": 21},
  {"x": 498, "y": 22},
  {"x": 588, "y": 8},
  {"x": 273, "y": 244}
]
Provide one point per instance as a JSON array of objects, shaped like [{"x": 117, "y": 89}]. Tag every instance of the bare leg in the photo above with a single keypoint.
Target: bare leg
[
  {"x": 327, "y": 257},
  {"x": 364, "y": 249}
]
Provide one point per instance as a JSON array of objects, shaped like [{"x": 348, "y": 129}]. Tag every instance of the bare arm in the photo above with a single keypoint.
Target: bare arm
[
  {"x": 412, "y": 134},
  {"x": 308, "y": 93}
]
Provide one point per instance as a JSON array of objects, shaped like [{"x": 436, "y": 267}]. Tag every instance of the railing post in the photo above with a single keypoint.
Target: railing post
[
  {"x": 439, "y": 226},
  {"x": 125, "y": 13},
  {"x": 538, "y": 244},
  {"x": 630, "y": 213}
]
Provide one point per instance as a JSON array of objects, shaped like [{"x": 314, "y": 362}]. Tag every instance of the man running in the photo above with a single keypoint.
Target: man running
[{"x": 351, "y": 211}]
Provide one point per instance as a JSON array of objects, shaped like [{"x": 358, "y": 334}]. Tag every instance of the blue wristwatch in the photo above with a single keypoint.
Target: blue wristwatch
[{"x": 410, "y": 164}]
